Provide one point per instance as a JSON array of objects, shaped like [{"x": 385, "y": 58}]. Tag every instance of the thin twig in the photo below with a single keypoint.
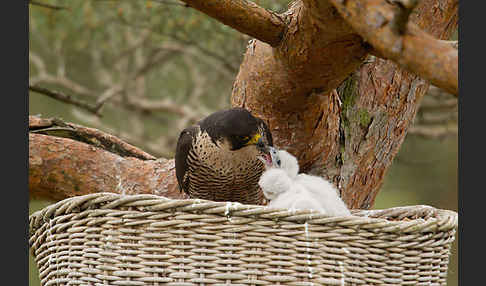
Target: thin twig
[
  {"x": 108, "y": 94},
  {"x": 168, "y": 2},
  {"x": 66, "y": 98},
  {"x": 189, "y": 47},
  {"x": 45, "y": 77},
  {"x": 231, "y": 67},
  {"x": 165, "y": 2},
  {"x": 50, "y": 6},
  {"x": 434, "y": 132}
]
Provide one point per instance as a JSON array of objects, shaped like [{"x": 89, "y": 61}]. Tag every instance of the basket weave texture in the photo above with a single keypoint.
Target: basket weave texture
[{"x": 110, "y": 239}]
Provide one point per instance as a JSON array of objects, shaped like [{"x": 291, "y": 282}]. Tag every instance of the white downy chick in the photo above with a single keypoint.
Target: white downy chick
[
  {"x": 285, "y": 188},
  {"x": 284, "y": 192},
  {"x": 325, "y": 193},
  {"x": 274, "y": 182},
  {"x": 286, "y": 162},
  {"x": 298, "y": 198}
]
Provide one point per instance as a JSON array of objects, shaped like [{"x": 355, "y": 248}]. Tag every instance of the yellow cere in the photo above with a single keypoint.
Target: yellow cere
[{"x": 254, "y": 139}]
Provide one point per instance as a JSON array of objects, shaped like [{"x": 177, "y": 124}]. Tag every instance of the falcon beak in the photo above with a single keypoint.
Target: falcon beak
[
  {"x": 255, "y": 140},
  {"x": 261, "y": 146}
]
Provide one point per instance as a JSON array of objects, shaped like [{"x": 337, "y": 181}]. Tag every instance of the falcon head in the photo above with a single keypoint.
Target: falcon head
[{"x": 237, "y": 128}]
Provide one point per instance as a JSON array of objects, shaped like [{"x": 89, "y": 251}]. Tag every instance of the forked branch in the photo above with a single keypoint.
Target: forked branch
[
  {"x": 244, "y": 16},
  {"x": 383, "y": 26}
]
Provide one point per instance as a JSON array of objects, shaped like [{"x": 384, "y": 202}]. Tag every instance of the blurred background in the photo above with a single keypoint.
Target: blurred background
[{"x": 153, "y": 67}]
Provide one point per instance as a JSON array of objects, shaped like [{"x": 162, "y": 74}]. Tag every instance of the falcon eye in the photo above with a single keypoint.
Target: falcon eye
[{"x": 243, "y": 138}]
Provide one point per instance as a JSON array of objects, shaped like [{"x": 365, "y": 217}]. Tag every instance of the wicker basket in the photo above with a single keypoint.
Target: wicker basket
[{"x": 109, "y": 239}]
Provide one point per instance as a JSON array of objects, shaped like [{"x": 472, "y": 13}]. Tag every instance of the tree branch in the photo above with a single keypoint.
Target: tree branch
[
  {"x": 57, "y": 127},
  {"x": 190, "y": 43},
  {"x": 44, "y": 76},
  {"x": 454, "y": 44},
  {"x": 166, "y": 105},
  {"x": 244, "y": 16},
  {"x": 109, "y": 94},
  {"x": 60, "y": 168},
  {"x": 351, "y": 139},
  {"x": 67, "y": 160},
  {"x": 223, "y": 66},
  {"x": 49, "y": 6},
  {"x": 167, "y": 2},
  {"x": 135, "y": 136},
  {"x": 437, "y": 115},
  {"x": 433, "y": 132},
  {"x": 66, "y": 99},
  {"x": 380, "y": 24}
]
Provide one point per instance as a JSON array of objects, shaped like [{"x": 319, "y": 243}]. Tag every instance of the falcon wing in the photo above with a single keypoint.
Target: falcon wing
[{"x": 184, "y": 145}]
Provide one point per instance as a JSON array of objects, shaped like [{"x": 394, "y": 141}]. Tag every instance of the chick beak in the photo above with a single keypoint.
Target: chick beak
[{"x": 262, "y": 147}]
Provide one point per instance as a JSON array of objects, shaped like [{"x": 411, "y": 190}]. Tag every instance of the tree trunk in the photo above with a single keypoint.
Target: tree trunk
[
  {"x": 349, "y": 137},
  {"x": 343, "y": 117}
]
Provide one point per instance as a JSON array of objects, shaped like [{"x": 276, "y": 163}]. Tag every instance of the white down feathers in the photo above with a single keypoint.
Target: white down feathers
[{"x": 285, "y": 188}]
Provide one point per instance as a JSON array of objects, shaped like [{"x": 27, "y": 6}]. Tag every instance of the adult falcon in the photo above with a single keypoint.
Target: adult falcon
[{"x": 217, "y": 159}]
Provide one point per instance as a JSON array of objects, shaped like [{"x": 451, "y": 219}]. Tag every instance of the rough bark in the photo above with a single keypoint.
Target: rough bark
[
  {"x": 61, "y": 167},
  {"x": 384, "y": 24},
  {"x": 244, "y": 16},
  {"x": 382, "y": 106},
  {"x": 57, "y": 127},
  {"x": 386, "y": 27},
  {"x": 352, "y": 138},
  {"x": 287, "y": 85}
]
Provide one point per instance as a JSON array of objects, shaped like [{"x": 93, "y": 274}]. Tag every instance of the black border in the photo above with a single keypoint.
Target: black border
[
  {"x": 471, "y": 144},
  {"x": 14, "y": 77},
  {"x": 14, "y": 27}
]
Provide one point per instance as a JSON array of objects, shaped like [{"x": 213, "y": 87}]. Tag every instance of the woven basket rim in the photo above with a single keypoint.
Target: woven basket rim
[{"x": 402, "y": 219}]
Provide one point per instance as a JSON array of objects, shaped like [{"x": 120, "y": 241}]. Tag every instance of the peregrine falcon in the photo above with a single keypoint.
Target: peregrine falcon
[{"x": 218, "y": 158}]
